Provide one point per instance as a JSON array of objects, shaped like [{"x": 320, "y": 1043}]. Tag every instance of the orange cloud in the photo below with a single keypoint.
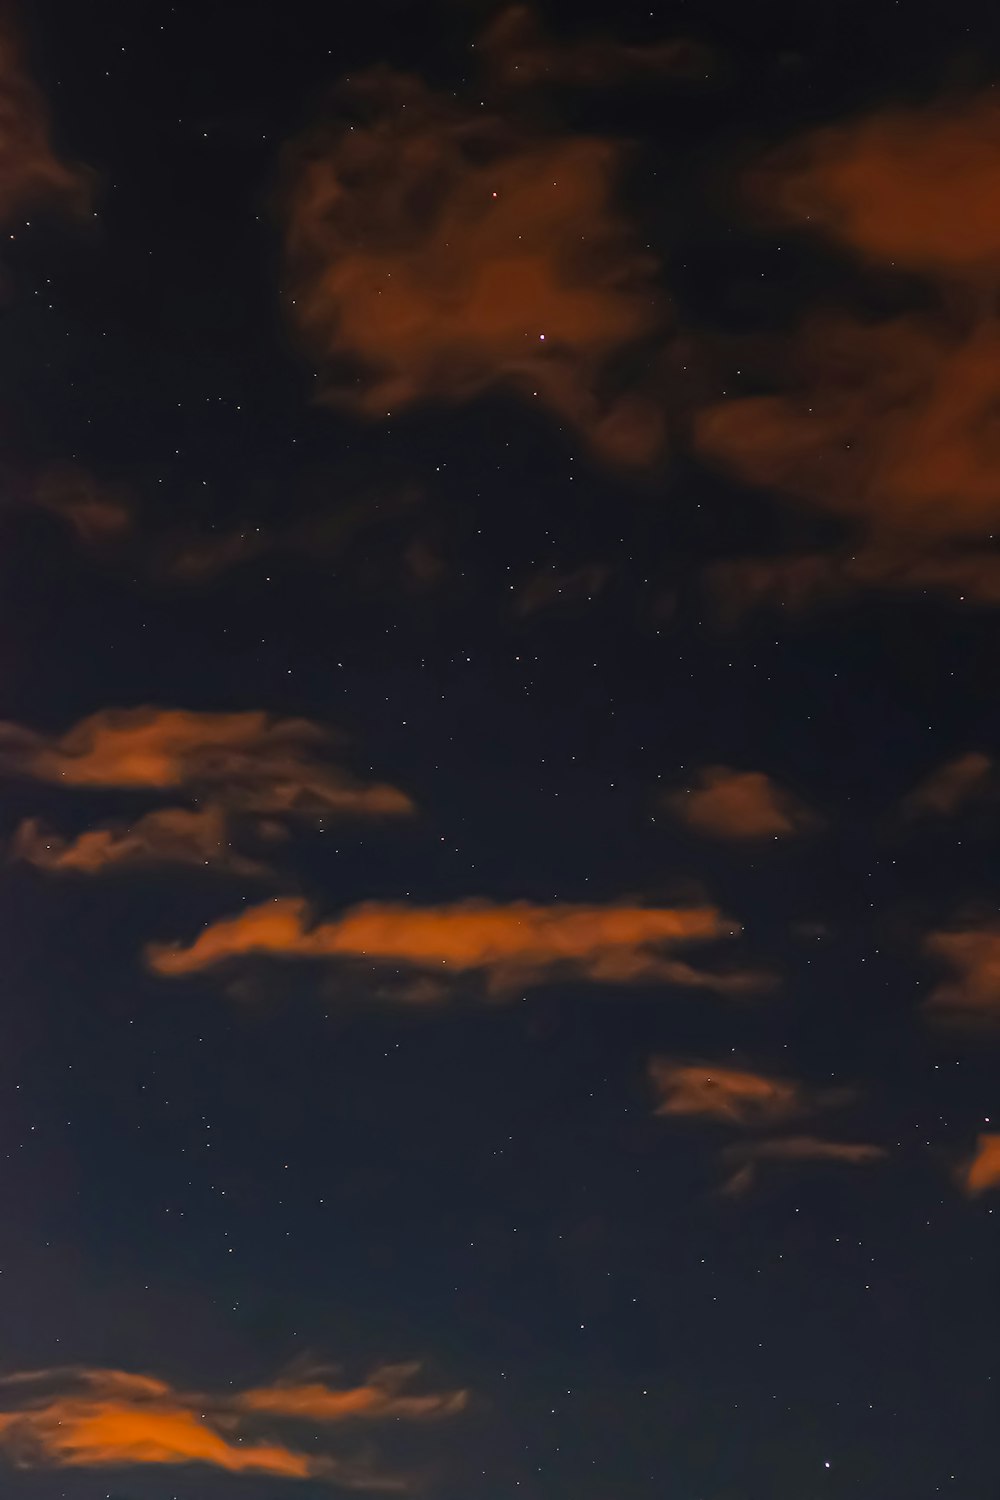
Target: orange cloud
[
  {"x": 519, "y": 55},
  {"x": 436, "y": 253},
  {"x": 981, "y": 1174},
  {"x": 972, "y": 995},
  {"x": 510, "y": 946},
  {"x": 908, "y": 187},
  {"x": 748, "y": 1155},
  {"x": 172, "y": 835},
  {"x": 99, "y": 514},
  {"x": 30, "y": 172},
  {"x": 951, "y": 786},
  {"x": 733, "y": 1095},
  {"x": 729, "y": 804},
  {"x": 890, "y": 424},
  {"x": 249, "y": 762},
  {"x": 103, "y": 1419}
]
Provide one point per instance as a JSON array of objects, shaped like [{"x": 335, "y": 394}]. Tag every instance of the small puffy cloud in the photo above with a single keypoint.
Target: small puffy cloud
[
  {"x": 171, "y": 835},
  {"x": 951, "y": 786},
  {"x": 31, "y": 174},
  {"x": 981, "y": 1173},
  {"x": 728, "y": 804},
  {"x": 912, "y": 187},
  {"x": 507, "y": 946},
  {"x": 735, "y": 1096},
  {"x": 109, "y": 1419},
  {"x": 247, "y": 762},
  {"x": 745, "y": 1158},
  {"x": 437, "y": 252},
  {"x": 972, "y": 995},
  {"x": 519, "y": 55}
]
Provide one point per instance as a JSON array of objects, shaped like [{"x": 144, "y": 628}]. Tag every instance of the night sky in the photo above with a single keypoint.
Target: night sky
[{"x": 500, "y": 750}]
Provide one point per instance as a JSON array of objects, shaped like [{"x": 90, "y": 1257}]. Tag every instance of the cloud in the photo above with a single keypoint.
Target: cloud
[
  {"x": 733, "y": 1095},
  {"x": 436, "y": 252},
  {"x": 102, "y": 1419},
  {"x": 508, "y": 946},
  {"x": 951, "y": 786},
  {"x": 747, "y": 1156},
  {"x": 519, "y": 55},
  {"x": 729, "y": 804},
  {"x": 550, "y": 587},
  {"x": 913, "y": 188},
  {"x": 171, "y": 835},
  {"x": 981, "y": 1174},
  {"x": 99, "y": 514},
  {"x": 796, "y": 582},
  {"x": 972, "y": 995},
  {"x": 247, "y": 762},
  {"x": 891, "y": 424},
  {"x": 31, "y": 174}
]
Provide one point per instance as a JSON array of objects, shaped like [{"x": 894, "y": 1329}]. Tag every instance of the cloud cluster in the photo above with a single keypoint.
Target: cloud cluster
[
  {"x": 104, "y": 1419},
  {"x": 507, "y": 946},
  {"x": 728, "y": 804},
  {"x": 233, "y": 766},
  {"x": 438, "y": 251}
]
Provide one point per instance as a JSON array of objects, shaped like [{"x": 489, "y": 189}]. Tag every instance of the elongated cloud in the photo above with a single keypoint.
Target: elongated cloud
[
  {"x": 908, "y": 187},
  {"x": 972, "y": 995},
  {"x": 728, "y": 804},
  {"x": 951, "y": 786},
  {"x": 519, "y": 55},
  {"x": 981, "y": 1174},
  {"x": 172, "y": 835},
  {"x": 31, "y": 174},
  {"x": 735, "y": 1096},
  {"x": 108, "y": 1419},
  {"x": 747, "y": 1156},
  {"x": 437, "y": 251},
  {"x": 508, "y": 946},
  {"x": 248, "y": 762}
]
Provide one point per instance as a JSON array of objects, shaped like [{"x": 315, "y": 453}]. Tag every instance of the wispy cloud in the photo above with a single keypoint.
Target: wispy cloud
[
  {"x": 31, "y": 173},
  {"x": 735, "y": 1096},
  {"x": 745, "y": 1158},
  {"x": 971, "y": 997},
  {"x": 506, "y": 946},
  {"x": 171, "y": 835},
  {"x": 951, "y": 786},
  {"x": 107, "y": 1419}
]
